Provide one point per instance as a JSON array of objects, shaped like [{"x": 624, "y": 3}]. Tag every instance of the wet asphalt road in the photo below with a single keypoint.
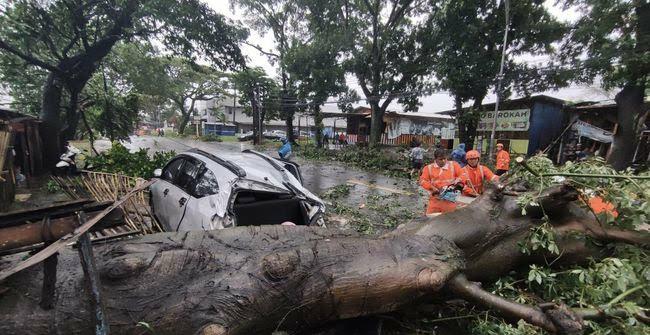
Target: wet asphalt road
[{"x": 318, "y": 176}]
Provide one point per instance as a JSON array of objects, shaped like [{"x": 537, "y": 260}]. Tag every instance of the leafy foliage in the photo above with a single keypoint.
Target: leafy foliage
[
  {"x": 376, "y": 214},
  {"x": 615, "y": 36},
  {"x": 619, "y": 281},
  {"x": 63, "y": 42},
  {"x": 629, "y": 196},
  {"x": 467, "y": 37},
  {"x": 252, "y": 81},
  {"x": 135, "y": 164}
]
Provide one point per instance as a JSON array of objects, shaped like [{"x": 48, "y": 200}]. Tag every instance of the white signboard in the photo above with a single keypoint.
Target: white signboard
[{"x": 508, "y": 120}]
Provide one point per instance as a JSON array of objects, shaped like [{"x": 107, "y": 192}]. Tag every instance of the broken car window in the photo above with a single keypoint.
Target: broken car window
[
  {"x": 206, "y": 185},
  {"x": 188, "y": 174},
  {"x": 171, "y": 170}
]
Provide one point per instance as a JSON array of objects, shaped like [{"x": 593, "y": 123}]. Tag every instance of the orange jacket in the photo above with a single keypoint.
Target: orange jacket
[
  {"x": 599, "y": 205},
  {"x": 473, "y": 179},
  {"x": 433, "y": 178},
  {"x": 503, "y": 160}
]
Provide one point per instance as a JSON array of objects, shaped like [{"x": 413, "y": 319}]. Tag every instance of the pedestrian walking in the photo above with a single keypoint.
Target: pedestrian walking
[
  {"x": 417, "y": 158},
  {"x": 475, "y": 174},
  {"x": 503, "y": 160},
  {"x": 342, "y": 139},
  {"x": 440, "y": 178}
]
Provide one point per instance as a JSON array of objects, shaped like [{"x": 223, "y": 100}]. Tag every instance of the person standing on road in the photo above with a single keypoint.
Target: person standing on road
[
  {"x": 436, "y": 177},
  {"x": 503, "y": 160},
  {"x": 474, "y": 174},
  {"x": 417, "y": 158},
  {"x": 285, "y": 150},
  {"x": 458, "y": 155}
]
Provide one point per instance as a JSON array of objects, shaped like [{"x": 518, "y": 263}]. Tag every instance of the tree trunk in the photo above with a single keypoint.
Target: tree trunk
[
  {"x": 630, "y": 110},
  {"x": 472, "y": 124},
  {"x": 51, "y": 117},
  {"x": 318, "y": 122},
  {"x": 185, "y": 119},
  {"x": 256, "y": 280},
  {"x": 462, "y": 122},
  {"x": 71, "y": 116},
  {"x": 257, "y": 136},
  {"x": 291, "y": 137},
  {"x": 468, "y": 121},
  {"x": 376, "y": 124}
]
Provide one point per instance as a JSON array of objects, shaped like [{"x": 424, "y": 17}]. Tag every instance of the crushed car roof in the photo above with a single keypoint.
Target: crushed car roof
[{"x": 250, "y": 165}]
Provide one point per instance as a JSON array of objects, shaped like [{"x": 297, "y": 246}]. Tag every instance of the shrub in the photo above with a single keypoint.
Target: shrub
[{"x": 135, "y": 164}]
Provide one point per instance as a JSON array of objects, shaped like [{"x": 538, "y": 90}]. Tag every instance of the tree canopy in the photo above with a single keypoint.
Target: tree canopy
[
  {"x": 611, "y": 40},
  {"x": 467, "y": 36},
  {"x": 70, "y": 38},
  {"x": 386, "y": 52}
]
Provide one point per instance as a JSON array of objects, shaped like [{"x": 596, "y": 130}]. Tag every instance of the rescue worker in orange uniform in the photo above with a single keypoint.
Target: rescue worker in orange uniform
[
  {"x": 436, "y": 176},
  {"x": 474, "y": 174},
  {"x": 503, "y": 160},
  {"x": 599, "y": 205}
]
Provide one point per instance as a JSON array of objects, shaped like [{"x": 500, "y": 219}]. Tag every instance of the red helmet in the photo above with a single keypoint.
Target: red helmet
[{"x": 472, "y": 154}]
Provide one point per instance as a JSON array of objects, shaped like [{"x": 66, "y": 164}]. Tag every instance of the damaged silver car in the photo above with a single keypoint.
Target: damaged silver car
[{"x": 197, "y": 190}]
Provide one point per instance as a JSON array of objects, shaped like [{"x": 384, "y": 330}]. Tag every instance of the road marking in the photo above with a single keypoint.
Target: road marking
[{"x": 392, "y": 190}]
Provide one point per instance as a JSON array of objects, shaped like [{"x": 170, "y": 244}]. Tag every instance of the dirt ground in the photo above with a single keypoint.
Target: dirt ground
[{"x": 34, "y": 193}]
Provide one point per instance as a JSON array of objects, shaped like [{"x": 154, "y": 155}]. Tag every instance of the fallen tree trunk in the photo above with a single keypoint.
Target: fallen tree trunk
[{"x": 251, "y": 280}]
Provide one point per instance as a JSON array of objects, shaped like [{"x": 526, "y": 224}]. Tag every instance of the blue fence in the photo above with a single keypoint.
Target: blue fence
[{"x": 219, "y": 129}]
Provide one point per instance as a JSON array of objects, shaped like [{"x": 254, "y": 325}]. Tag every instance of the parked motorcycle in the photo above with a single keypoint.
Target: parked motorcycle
[{"x": 67, "y": 165}]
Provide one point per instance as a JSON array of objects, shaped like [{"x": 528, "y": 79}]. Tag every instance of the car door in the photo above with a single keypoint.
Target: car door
[
  {"x": 160, "y": 193},
  {"x": 179, "y": 196},
  {"x": 205, "y": 211}
]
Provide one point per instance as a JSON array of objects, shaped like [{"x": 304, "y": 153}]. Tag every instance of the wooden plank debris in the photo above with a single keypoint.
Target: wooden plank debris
[
  {"x": 62, "y": 242},
  {"x": 91, "y": 276}
]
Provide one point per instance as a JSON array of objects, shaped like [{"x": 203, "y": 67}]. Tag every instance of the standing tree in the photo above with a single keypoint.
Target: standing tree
[
  {"x": 187, "y": 83},
  {"x": 69, "y": 39},
  {"x": 280, "y": 17},
  {"x": 612, "y": 40},
  {"x": 313, "y": 64},
  {"x": 468, "y": 38},
  {"x": 386, "y": 52}
]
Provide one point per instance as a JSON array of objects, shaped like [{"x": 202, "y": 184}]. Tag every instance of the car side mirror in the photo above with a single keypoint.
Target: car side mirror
[{"x": 157, "y": 173}]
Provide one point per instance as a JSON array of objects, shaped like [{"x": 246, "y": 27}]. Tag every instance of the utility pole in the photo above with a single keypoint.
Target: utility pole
[
  {"x": 256, "y": 116},
  {"x": 234, "y": 99},
  {"x": 499, "y": 81}
]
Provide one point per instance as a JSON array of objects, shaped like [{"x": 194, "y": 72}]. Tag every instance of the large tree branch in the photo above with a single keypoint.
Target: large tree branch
[
  {"x": 45, "y": 36},
  {"x": 558, "y": 320},
  {"x": 386, "y": 102},
  {"x": 29, "y": 58},
  {"x": 259, "y": 48}
]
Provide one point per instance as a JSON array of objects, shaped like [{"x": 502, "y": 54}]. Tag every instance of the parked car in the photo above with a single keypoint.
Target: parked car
[
  {"x": 197, "y": 190},
  {"x": 306, "y": 134},
  {"x": 247, "y": 136},
  {"x": 275, "y": 134}
]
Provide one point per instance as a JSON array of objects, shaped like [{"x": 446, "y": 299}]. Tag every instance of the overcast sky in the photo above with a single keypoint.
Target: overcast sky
[{"x": 430, "y": 104}]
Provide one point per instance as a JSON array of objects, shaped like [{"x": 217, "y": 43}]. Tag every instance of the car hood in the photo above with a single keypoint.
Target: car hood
[{"x": 264, "y": 173}]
